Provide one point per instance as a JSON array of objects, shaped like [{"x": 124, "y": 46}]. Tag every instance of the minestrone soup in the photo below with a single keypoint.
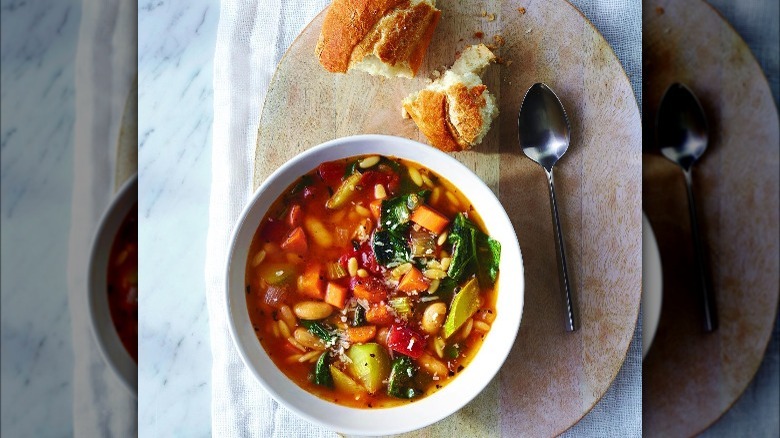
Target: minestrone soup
[
  {"x": 123, "y": 282},
  {"x": 371, "y": 282}
]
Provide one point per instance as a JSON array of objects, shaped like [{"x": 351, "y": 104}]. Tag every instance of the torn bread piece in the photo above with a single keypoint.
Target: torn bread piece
[
  {"x": 381, "y": 37},
  {"x": 455, "y": 111}
]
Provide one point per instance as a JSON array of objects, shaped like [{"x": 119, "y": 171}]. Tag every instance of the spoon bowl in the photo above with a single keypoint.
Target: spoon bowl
[
  {"x": 543, "y": 132},
  {"x": 681, "y": 126},
  {"x": 543, "y": 127}
]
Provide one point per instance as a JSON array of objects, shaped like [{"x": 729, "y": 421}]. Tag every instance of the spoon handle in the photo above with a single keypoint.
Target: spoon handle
[
  {"x": 563, "y": 272},
  {"x": 710, "y": 311}
]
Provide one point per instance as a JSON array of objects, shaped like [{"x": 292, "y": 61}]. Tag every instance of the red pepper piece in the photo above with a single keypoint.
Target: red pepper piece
[{"x": 406, "y": 341}]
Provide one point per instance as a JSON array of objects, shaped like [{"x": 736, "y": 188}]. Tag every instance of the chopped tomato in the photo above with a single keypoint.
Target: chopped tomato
[
  {"x": 274, "y": 230},
  {"x": 332, "y": 172},
  {"x": 389, "y": 179},
  {"x": 294, "y": 215},
  {"x": 365, "y": 257},
  {"x": 406, "y": 341}
]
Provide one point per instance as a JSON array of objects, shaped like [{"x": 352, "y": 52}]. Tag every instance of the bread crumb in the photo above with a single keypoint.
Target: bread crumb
[
  {"x": 499, "y": 40},
  {"x": 659, "y": 10},
  {"x": 435, "y": 73},
  {"x": 491, "y": 17},
  {"x": 499, "y": 60},
  {"x": 484, "y": 13},
  {"x": 528, "y": 30},
  {"x": 508, "y": 63},
  {"x": 521, "y": 11},
  {"x": 479, "y": 35}
]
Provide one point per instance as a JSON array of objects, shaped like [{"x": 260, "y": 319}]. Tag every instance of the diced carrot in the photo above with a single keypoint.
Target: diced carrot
[
  {"x": 296, "y": 242},
  {"x": 294, "y": 216},
  {"x": 361, "y": 334},
  {"x": 429, "y": 219},
  {"x": 335, "y": 295},
  {"x": 311, "y": 282},
  {"x": 368, "y": 293},
  {"x": 413, "y": 281},
  {"x": 376, "y": 208},
  {"x": 379, "y": 315}
]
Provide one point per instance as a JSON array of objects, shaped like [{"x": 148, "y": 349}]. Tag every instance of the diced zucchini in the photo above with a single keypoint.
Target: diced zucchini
[
  {"x": 464, "y": 305},
  {"x": 278, "y": 273},
  {"x": 343, "y": 382},
  {"x": 370, "y": 365}
]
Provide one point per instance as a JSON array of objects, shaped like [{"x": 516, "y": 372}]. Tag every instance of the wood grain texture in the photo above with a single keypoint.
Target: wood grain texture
[
  {"x": 551, "y": 378},
  {"x": 691, "y": 378}
]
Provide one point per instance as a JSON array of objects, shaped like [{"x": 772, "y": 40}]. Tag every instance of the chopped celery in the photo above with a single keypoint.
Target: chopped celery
[
  {"x": 401, "y": 305},
  {"x": 344, "y": 192},
  {"x": 334, "y": 271},
  {"x": 370, "y": 365},
  {"x": 401, "y": 378},
  {"x": 464, "y": 304},
  {"x": 322, "y": 375}
]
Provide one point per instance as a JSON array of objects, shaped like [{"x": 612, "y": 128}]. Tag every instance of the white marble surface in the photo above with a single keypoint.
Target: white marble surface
[
  {"x": 175, "y": 51},
  {"x": 36, "y": 141}
]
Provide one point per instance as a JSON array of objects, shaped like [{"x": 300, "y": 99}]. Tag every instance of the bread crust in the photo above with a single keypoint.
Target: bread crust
[
  {"x": 392, "y": 30},
  {"x": 429, "y": 111}
]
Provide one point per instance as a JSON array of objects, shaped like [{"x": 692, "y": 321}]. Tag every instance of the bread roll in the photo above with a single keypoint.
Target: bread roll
[
  {"x": 381, "y": 37},
  {"x": 455, "y": 112}
]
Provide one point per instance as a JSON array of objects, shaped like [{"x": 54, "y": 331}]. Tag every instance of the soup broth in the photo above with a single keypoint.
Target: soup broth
[
  {"x": 371, "y": 282},
  {"x": 123, "y": 282}
]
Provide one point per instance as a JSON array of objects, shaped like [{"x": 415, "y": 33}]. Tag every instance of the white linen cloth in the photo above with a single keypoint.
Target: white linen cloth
[
  {"x": 105, "y": 68},
  {"x": 252, "y": 36}
]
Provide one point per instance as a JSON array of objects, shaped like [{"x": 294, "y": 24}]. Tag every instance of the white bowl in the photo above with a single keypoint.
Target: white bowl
[
  {"x": 106, "y": 336},
  {"x": 652, "y": 286},
  {"x": 469, "y": 383}
]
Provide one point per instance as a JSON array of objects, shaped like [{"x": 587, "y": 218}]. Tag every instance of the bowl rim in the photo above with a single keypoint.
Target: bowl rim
[
  {"x": 236, "y": 307},
  {"x": 101, "y": 324},
  {"x": 652, "y": 286}
]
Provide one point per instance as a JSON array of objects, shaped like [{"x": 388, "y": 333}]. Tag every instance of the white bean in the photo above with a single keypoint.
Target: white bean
[
  {"x": 312, "y": 310},
  {"x": 432, "y": 365},
  {"x": 415, "y": 175},
  {"x": 433, "y": 317},
  {"x": 367, "y": 162}
]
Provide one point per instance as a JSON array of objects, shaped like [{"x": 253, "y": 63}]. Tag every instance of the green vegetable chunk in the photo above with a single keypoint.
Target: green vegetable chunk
[
  {"x": 359, "y": 317},
  {"x": 401, "y": 378},
  {"x": 370, "y": 365},
  {"x": 474, "y": 252},
  {"x": 345, "y": 192},
  {"x": 322, "y": 375},
  {"x": 278, "y": 273},
  {"x": 320, "y": 330},
  {"x": 343, "y": 382},
  {"x": 464, "y": 304},
  {"x": 390, "y": 249},
  {"x": 395, "y": 212}
]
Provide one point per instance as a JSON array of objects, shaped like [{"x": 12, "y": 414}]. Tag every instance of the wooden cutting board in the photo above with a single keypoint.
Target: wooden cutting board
[
  {"x": 691, "y": 378},
  {"x": 551, "y": 378}
]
